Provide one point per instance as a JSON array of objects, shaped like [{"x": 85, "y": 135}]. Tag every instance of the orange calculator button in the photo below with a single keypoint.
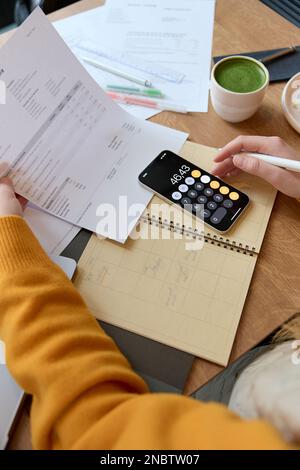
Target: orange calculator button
[
  {"x": 234, "y": 196},
  {"x": 224, "y": 190},
  {"x": 215, "y": 184},
  {"x": 196, "y": 173}
]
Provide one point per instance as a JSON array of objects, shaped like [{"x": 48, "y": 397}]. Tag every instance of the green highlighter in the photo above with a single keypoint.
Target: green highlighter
[{"x": 152, "y": 92}]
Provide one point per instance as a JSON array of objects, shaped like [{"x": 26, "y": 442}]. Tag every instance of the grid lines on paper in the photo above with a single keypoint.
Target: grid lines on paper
[{"x": 187, "y": 299}]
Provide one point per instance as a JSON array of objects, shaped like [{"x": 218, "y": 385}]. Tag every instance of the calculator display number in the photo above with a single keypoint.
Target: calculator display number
[{"x": 183, "y": 170}]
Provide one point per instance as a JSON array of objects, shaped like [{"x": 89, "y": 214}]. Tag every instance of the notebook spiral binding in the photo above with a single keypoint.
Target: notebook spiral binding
[{"x": 194, "y": 233}]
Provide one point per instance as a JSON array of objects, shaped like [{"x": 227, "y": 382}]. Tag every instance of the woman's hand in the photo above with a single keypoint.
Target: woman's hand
[
  {"x": 10, "y": 203},
  {"x": 228, "y": 163}
]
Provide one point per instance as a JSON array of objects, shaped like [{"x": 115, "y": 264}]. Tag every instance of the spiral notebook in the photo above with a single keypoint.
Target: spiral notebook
[{"x": 191, "y": 300}]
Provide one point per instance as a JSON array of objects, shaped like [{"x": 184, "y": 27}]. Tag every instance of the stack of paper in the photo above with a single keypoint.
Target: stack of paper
[
  {"x": 64, "y": 117},
  {"x": 53, "y": 234},
  {"x": 77, "y": 154},
  {"x": 166, "y": 41}
]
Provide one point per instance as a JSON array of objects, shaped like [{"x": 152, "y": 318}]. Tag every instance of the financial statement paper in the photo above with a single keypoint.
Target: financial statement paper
[{"x": 70, "y": 148}]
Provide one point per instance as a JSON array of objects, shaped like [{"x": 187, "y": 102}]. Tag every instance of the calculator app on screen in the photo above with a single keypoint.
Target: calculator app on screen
[{"x": 181, "y": 182}]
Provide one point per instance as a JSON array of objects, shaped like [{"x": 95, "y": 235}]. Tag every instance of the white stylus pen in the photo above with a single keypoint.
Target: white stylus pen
[
  {"x": 119, "y": 73},
  {"x": 293, "y": 165}
]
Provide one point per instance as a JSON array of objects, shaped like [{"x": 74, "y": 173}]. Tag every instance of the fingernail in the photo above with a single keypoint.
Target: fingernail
[
  {"x": 239, "y": 161},
  {"x": 219, "y": 150},
  {"x": 4, "y": 168},
  {"x": 5, "y": 179}
]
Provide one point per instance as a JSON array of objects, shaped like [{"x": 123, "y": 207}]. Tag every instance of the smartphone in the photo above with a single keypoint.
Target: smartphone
[{"x": 181, "y": 182}]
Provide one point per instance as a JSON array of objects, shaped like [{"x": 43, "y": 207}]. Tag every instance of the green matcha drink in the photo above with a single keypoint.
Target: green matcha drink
[{"x": 240, "y": 75}]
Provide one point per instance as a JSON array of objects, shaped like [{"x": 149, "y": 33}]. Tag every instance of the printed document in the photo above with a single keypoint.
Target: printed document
[
  {"x": 168, "y": 42},
  {"x": 70, "y": 148}
]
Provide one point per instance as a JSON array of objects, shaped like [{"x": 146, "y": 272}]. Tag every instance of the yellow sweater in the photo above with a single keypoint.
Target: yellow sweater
[{"x": 85, "y": 394}]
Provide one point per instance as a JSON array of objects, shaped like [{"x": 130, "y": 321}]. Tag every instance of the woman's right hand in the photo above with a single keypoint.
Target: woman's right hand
[{"x": 229, "y": 161}]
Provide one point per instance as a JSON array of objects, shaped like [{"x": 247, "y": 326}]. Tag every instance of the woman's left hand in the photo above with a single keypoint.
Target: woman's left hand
[{"x": 10, "y": 203}]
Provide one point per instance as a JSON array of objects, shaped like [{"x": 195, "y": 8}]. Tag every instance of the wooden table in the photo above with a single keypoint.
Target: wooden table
[{"x": 274, "y": 294}]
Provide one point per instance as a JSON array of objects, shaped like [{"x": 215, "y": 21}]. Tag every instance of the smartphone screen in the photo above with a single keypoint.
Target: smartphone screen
[{"x": 181, "y": 182}]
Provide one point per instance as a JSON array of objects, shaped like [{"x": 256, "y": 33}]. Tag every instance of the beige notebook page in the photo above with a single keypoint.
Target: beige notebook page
[
  {"x": 191, "y": 300},
  {"x": 249, "y": 230}
]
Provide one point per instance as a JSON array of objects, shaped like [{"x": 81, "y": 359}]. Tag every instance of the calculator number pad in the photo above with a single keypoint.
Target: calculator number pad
[{"x": 208, "y": 198}]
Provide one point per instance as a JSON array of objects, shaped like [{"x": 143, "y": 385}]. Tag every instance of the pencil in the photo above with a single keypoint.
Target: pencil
[{"x": 277, "y": 55}]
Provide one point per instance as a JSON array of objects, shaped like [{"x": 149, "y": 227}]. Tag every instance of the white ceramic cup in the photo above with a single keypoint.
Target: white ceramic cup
[
  {"x": 291, "y": 108},
  {"x": 233, "y": 106}
]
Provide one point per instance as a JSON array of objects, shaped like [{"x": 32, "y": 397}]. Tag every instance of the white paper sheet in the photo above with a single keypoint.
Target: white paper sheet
[
  {"x": 53, "y": 234},
  {"x": 70, "y": 146},
  {"x": 166, "y": 33},
  {"x": 87, "y": 26}
]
